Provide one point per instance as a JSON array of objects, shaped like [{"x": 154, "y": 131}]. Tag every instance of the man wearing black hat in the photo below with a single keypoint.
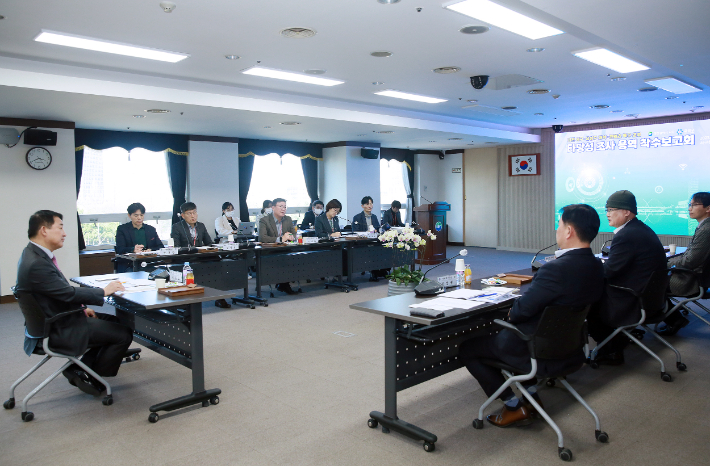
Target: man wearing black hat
[{"x": 634, "y": 255}]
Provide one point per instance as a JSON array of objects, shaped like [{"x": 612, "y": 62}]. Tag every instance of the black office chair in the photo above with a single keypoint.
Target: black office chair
[
  {"x": 702, "y": 292},
  {"x": 37, "y": 324},
  {"x": 654, "y": 309},
  {"x": 560, "y": 335}
]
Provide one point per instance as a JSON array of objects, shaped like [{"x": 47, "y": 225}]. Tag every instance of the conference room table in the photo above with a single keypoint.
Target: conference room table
[
  {"x": 418, "y": 349},
  {"x": 170, "y": 326}
]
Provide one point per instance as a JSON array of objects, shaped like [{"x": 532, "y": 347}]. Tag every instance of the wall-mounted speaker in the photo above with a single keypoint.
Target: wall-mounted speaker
[
  {"x": 369, "y": 153},
  {"x": 40, "y": 137}
]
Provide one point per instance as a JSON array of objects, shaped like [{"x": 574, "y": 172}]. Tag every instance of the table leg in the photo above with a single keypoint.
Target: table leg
[{"x": 389, "y": 419}]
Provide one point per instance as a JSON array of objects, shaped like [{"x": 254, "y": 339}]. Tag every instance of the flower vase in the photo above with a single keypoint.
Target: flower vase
[{"x": 393, "y": 289}]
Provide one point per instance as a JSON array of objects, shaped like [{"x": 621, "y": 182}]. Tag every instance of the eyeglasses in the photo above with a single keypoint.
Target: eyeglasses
[
  {"x": 611, "y": 209},
  {"x": 694, "y": 204}
]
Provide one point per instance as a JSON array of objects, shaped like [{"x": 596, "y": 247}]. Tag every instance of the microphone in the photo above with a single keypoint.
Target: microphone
[
  {"x": 534, "y": 263},
  {"x": 605, "y": 249},
  {"x": 426, "y": 199},
  {"x": 432, "y": 288},
  {"x": 158, "y": 272}
]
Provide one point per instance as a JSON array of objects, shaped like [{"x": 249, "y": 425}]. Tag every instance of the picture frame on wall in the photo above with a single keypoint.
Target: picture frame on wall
[{"x": 524, "y": 165}]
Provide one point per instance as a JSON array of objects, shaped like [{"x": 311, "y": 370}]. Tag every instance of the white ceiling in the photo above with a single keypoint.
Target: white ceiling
[{"x": 99, "y": 90}]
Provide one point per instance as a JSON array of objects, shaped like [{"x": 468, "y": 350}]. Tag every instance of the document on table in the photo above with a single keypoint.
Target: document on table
[
  {"x": 445, "y": 304},
  {"x": 137, "y": 285},
  {"x": 462, "y": 294}
]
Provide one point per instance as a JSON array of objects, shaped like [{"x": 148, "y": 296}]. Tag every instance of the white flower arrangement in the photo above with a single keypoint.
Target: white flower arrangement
[{"x": 405, "y": 239}]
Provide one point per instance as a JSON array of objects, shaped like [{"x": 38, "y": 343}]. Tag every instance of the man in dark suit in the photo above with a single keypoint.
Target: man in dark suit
[
  {"x": 574, "y": 278},
  {"x": 188, "y": 232},
  {"x": 39, "y": 274},
  {"x": 695, "y": 258},
  {"x": 634, "y": 255},
  {"x": 309, "y": 219},
  {"x": 392, "y": 217},
  {"x": 276, "y": 228},
  {"x": 363, "y": 220},
  {"x": 135, "y": 236}
]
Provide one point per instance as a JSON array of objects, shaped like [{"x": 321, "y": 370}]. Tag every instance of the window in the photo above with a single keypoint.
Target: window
[
  {"x": 278, "y": 176},
  {"x": 392, "y": 185},
  {"x": 111, "y": 180}
]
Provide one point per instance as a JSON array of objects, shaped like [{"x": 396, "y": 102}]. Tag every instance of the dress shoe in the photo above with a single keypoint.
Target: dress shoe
[
  {"x": 507, "y": 418},
  {"x": 672, "y": 328},
  {"x": 222, "y": 303},
  {"x": 83, "y": 381},
  {"x": 533, "y": 411},
  {"x": 285, "y": 288},
  {"x": 610, "y": 359}
]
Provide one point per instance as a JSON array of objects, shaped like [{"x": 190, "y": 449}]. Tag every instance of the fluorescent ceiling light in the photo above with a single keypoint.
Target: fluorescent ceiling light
[
  {"x": 98, "y": 45},
  {"x": 671, "y": 84},
  {"x": 504, "y": 18},
  {"x": 407, "y": 96},
  {"x": 289, "y": 76},
  {"x": 611, "y": 60}
]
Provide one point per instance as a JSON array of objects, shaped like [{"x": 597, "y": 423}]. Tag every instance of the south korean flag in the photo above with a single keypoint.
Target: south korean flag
[{"x": 524, "y": 166}]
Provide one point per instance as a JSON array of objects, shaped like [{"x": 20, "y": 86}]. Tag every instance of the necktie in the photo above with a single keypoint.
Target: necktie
[{"x": 54, "y": 261}]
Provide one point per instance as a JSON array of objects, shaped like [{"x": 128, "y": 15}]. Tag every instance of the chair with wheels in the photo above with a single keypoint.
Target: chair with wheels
[
  {"x": 560, "y": 335},
  {"x": 37, "y": 324},
  {"x": 702, "y": 292},
  {"x": 654, "y": 309}
]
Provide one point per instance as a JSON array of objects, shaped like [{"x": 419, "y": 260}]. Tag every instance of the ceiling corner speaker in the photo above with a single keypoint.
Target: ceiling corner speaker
[
  {"x": 40, "y": 137},
  {"x": 372, "y": 154}
]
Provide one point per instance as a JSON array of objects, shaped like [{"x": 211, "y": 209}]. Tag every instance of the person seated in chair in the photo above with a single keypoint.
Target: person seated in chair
[
  {"x": 309, "y": 219},
  {"x": 574, "y": 278},
  {"x": 135, "y": 236},
  {"x": 695, "y": 258},
  {"x": 634, "y": 255},
  {"x": 327, "y": 224},
  {"x": 277, "y": 227},
  {"x": 392, "y": 216},
  {"x": 38, "y": 273},
  {"x": 227, "y": 223},
  {"x": 188, "y": 232},
  {"x": 365, "y": 219}
]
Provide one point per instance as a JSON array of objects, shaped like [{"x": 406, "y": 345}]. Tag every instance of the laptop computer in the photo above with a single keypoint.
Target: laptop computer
[{"x": 246, "y": 228}]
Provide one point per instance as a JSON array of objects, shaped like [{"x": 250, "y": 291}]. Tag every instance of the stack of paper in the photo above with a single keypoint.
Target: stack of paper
[{"x": 445, "y": 304}]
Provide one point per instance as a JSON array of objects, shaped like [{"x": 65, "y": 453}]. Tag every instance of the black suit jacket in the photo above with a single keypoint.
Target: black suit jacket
[
  {"x": 392, "y": 218},
  {"x": 574, "y": 279},
  {"x": 635, "y": 253},
  {"x": 309, "y": 220},
  {"x": 360, "y": 223},
  {"x": 181, "y": 234},
  {"x": 696, "y": 258},
  {"x": 37, "y": 274},
  {"x": 126, "y": 238},
  {"x": 323, "y": 229}
]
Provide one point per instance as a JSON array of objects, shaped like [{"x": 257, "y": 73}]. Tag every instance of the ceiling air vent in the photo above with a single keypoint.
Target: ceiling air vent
[
  {"x": 157, "y": 110},
  {"x": 538, "y": 91},
  {"x": 447, "y": 69},
  {"x": 298, "y": 33}
]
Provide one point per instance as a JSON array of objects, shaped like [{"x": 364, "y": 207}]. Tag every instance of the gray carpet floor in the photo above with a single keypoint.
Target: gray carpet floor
[{"x": 296, "y": 393}]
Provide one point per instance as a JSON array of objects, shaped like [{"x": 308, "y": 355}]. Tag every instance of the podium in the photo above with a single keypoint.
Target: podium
[{"x": 433, "y": 217}]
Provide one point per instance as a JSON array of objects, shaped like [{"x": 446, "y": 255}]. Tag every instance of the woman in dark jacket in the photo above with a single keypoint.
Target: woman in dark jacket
[{"x": 327, "y": 224}]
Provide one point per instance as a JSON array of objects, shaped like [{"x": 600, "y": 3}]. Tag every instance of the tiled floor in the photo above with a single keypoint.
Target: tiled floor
[{"x": 296, "y": 393}]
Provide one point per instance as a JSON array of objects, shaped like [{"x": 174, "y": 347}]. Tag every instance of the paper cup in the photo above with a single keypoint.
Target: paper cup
[
  {"x": 159, "y": 283},
  {"x": 230, "y": 238},
  {"x": 171, "y": 242},
  {"x": 460, "y": 266},
  {"x": 671, "y": 248}
]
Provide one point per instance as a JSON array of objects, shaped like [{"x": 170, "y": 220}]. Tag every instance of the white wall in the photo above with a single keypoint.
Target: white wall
[
  {"x": 335, "y": 181},
  {"x": 213, "y": 178},
  {"x": 481, "y": 190},
  {"x": 426, "y": 178},
  {"x": 434, "y": 180},
  {"x": 363, "y": 178},
  {"x": 26, "y": 191}
]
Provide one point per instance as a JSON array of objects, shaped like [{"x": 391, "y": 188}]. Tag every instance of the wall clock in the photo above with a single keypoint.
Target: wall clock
[{"x": 38, "y": 158}]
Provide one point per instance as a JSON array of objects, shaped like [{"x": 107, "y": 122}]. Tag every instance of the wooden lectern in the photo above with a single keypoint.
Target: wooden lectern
[{"x": 433, "y": 217}]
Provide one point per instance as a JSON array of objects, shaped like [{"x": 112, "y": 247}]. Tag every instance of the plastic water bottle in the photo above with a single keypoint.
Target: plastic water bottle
[
  {"x": 460, "y": 279},
  {"x": 187, "y": 276}
]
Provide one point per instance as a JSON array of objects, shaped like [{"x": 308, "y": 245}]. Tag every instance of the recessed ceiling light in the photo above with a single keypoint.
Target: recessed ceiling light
[
  {"x": 455, "y": 139},
  {"x": 387, "y": 2},
  {"x": 407, "y": 96},
  {"x": 298, "y": 33},
  {"x": 510, "y": 107},
  {"x": 538, "y": 91},
  {"x": 267, "y": 127},
  {"x": 447, "y": 70},
  {"x": 504, "y": 18},
  {"x": 633, "y": 115},
  {"x": 648, "y": 89},
  {"x": 673, "y": 85},
  {"x": 289, "y": 123},
  {"x": 599, "y": 107},
  {"x": 384, "y": 132},
  {"x": 699, "y": 106},
  {"x": 157, "y": 110},
  {"x": 377, "y": 83},
  {"x": 538, "y": 114},
  {"x": 671, "y": 97},
  {"x": 474, "y": 29},
  {"x": 616, "y": 111},
  {"x": 314, "y": 71},
  {"x": 432, "y": 141},
  {"x": 608, "y": 59},
  {"x": 535, "y": 49},
  {"x": 232, "y": 57},
  {"x": 290, "y": 76},
  {"x": 138, "y": 116},
  {"x": 99, "y": 45},
  {"x": 362, "y": 134},
  {"x": 618, "y": 78},
  {"x": 473, "y": 101},
  {"x": 381, "y": 54}
]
